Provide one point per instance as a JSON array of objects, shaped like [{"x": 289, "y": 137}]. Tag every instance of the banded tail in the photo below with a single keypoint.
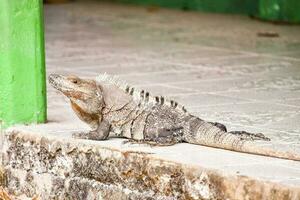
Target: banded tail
[{"x": 204, "y": 133}]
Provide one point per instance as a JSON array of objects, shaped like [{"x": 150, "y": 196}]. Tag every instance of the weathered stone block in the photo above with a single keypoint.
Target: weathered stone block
[
  {"x": 54, "y": 168},
  {"x": 2, "y": 176}
]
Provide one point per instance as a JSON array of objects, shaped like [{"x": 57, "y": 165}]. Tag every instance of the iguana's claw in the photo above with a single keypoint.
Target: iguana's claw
[
  {"x": 131, "y": 141},
  {"x": 80, "y": 135}
]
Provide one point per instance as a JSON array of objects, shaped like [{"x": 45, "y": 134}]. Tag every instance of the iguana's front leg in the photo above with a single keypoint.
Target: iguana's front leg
[{"x": 100, "y": 133}]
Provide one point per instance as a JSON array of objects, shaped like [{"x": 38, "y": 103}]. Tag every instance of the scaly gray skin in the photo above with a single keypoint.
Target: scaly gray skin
[{"x": 107, "y": 105}]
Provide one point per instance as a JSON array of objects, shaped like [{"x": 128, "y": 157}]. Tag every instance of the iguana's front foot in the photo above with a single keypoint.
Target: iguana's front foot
[
  {"x": 101, "y": 133},
  {"x": 81, "y": 135},
  {"x": 250, "y": 136},
  {"x": 92, "y": 135}
]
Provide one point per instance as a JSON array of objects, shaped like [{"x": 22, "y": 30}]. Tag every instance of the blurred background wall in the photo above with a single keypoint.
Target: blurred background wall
[{"x": 271, "y": 10}]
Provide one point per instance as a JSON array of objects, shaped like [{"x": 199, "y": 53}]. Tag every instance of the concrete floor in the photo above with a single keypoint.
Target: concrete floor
[{"x": 214, "y": 64}]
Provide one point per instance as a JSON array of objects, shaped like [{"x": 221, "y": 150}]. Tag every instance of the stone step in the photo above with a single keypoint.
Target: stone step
[{"x": 64, "y": 168}]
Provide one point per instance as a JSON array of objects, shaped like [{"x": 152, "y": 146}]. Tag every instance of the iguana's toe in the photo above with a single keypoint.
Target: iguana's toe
[{"x": 80, "y": 135}]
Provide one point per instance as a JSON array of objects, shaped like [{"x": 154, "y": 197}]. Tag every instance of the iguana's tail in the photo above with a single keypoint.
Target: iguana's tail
[{"x": 204, "y": 133}]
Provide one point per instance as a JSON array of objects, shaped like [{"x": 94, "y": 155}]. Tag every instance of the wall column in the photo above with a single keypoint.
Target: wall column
[
  {"x": 22, "y": 62},
  {"x": 280, "y": 10}
]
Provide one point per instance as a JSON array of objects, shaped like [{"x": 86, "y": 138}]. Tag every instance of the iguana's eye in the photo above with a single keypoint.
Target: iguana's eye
[{"x": 74, "y": 81}]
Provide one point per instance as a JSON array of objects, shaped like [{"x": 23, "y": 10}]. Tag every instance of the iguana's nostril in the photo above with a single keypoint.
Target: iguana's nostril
[
  {"x": 54, "y": 79},
  {"x": 52, "y": 76}
]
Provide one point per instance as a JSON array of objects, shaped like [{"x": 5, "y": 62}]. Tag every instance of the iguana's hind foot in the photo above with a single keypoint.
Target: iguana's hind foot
[
  {"x": 250, "y": 136},
  {"x": 163, "y": 137},
  {"x": 219, "y": 125},
  {"x": 132, "y": 141},
  {"x": 149, "y": 142},
  {"x": 242, "y": 134}
]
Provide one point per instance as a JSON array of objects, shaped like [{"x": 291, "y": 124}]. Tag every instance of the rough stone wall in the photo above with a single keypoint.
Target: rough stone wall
[
  {"x": 57, "y": 169},
  {"x": 2, "y": 177},
  {"x": 3, "y": 194}
]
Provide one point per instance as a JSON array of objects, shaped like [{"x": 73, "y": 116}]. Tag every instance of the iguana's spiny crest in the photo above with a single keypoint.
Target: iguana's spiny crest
[{"x": 141, "y": 97}]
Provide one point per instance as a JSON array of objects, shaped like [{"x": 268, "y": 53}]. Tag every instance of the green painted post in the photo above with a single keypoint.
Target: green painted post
[{"x": 22, "y": 62}]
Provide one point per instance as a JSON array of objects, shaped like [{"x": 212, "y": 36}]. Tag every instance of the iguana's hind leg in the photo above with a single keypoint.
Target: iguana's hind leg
[
  {"x": 161, "y": 137},
  {"x": 250, "y": 136},
  {"x": 101, "y": 133},
  {"x": 150, "y": 142},
  {"x": 165, "y": 136}
]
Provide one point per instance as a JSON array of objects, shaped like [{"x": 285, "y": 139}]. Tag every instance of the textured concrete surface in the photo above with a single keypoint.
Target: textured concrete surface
[{"x": 216, "y": 65}]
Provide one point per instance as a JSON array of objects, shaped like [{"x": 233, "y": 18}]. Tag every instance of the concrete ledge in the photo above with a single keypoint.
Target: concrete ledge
[{"x": 56, "y": 168}]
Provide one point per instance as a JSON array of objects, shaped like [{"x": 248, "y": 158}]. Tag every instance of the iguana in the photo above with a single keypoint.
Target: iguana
[{"x": 108, "y": 105}]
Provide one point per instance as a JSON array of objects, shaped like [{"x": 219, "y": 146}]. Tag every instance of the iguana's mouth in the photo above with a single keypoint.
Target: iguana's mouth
[
  {"x": 59, "y": 82},
  {"x": 52, "y": 78},
  {"x": 55, "y": 81}
]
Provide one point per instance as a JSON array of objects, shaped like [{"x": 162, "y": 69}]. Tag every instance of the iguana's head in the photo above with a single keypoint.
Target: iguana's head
[{"x": 84, "y": 94}]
